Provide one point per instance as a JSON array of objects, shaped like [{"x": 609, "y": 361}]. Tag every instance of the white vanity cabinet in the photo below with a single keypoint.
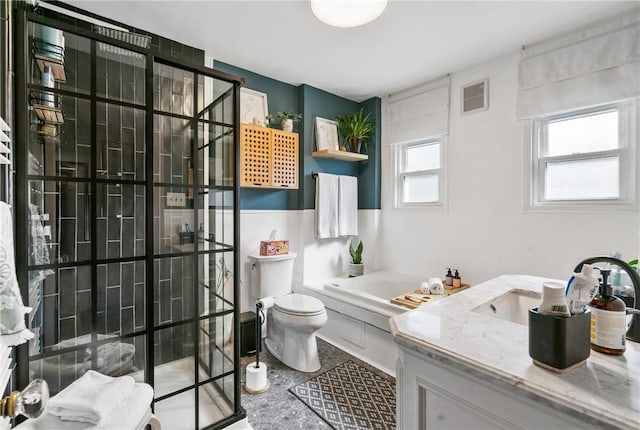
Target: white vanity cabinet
[
  {"x": 459, "y": 368},
  {"x": 433, "y": 395}
]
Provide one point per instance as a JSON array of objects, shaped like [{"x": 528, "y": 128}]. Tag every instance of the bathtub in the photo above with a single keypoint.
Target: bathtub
[{"x": 359, "y": 310}]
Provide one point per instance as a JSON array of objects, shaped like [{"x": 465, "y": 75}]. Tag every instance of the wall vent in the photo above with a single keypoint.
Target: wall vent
[{"x": 475, "y": 96}]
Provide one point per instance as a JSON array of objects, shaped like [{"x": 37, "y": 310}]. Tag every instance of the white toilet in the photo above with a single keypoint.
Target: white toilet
[{"x": 294, "y": 318}]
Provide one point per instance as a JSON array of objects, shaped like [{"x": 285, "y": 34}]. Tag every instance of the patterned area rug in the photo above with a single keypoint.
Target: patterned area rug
[{"x": 350, "y": 396}]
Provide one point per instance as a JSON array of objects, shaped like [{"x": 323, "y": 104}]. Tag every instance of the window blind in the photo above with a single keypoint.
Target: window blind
[
  {"x": 419, "y": 112},
  {"x": 597, "y": 65}
]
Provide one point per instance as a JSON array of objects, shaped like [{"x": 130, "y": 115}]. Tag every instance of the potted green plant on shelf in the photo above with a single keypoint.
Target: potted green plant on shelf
[
  {"x": 286, "y": 118},
  {"x": 356, "y": 130},
  {"x": 356, "y": 268}
]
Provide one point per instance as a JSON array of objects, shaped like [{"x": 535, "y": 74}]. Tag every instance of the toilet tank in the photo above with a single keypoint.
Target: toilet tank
[{"x": 271, "y": 275}]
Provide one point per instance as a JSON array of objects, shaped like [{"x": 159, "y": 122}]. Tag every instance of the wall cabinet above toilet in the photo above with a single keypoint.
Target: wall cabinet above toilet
[{"x": 268, "y": 157}]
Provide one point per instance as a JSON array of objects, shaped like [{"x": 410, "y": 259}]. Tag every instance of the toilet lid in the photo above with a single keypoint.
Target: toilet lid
[{"x": 299, "y": 304}]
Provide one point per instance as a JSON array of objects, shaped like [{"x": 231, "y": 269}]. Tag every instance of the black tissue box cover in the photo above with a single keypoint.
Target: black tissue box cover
[
  {"x": 559, "y": 342},
  {"x": 186, "y": 237}
]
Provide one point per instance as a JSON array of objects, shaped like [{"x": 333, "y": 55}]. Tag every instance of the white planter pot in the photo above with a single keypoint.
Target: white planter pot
[
  {"x": 223, "y": 336},
  {"x": 356, "y": 269},
  {"x": 224, "y": 327},
  {"x": 287, "y": 125}
]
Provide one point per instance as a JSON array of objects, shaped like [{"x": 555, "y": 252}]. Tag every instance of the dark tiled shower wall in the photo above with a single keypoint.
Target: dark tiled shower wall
[
  {"x": 172, "y": 139},
  {"x": 173, "y": 296},
  {"x": 158, "y": 44},
  {"x": 121, "y": 210}
]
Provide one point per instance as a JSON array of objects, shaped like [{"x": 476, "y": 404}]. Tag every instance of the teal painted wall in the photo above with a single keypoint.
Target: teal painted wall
[
  {"x": 320, "y": 103},
  {"x": 280, "y": 97},
  {"x": 369, "y": 181},
  {"x": 312, "y": 102}
]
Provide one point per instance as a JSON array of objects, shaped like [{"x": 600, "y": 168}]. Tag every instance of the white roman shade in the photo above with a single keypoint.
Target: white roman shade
[
  {"x": 419, "y": 112},
  {"x": 597, "y": 65}
]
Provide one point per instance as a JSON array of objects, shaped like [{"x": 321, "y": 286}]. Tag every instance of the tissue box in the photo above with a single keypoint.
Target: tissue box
[
  {"x": 186, "y": 237},
  {"x": 274, "y": 247},
  {"x": 558, "y": 343}
]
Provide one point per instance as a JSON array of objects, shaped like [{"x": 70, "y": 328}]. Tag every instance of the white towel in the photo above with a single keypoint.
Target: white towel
[
  {"x": 132, "y": 413},
  {"x": 326, "y": 206},
  {"x": 12, "y": 328},
  {"x": 348, "y": 206},
  {"x": 91, "y": 398}
]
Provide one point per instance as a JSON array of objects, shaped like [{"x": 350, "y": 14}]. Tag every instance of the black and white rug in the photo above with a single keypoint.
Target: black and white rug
[{"x": 350, "y": 396}]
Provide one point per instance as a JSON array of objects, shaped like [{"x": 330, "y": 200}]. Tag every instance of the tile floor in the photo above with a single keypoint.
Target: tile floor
[{"x": 277, "y": 408}]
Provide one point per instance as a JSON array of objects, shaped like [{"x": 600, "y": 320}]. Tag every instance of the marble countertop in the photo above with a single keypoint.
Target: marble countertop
[{"x": 604, "y": 390}]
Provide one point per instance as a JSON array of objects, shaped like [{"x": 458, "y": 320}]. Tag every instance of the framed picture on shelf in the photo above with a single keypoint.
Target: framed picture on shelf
[
  {"x": 326, "y": 134},
  {"x": 253, "y": 106}
]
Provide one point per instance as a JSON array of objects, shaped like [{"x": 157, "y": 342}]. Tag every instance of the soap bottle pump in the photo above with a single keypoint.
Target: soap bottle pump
[
  {"x": 448, "y": 278},
  {"x": 608, "y": 319},
  {"x": 457, "y": 282}
]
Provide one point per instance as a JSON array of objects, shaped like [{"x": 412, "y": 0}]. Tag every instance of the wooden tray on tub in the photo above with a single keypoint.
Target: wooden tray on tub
[{"x": 415, "y": 299}]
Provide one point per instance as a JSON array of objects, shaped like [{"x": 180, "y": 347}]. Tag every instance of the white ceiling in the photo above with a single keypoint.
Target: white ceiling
[{"x": 411, "y": 43}]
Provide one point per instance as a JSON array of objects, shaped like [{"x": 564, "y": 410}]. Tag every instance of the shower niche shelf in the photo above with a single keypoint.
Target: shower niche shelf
[
  {"x": 48, "y": 114},
  {"x": 46, "y": 106},
  {"x": 57, "y": 67},
  {"x": 47, "y": 54}
]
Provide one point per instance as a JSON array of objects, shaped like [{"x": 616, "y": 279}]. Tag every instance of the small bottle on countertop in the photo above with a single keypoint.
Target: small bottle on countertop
[
  {"x": 448, "y": 278},
  {"x": 457, "y": 282},
  {"x": 608, "y": 319}
]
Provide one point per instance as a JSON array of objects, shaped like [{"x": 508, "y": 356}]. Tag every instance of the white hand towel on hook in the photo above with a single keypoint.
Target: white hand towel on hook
[
  {"x": 326, "y": 205},
  {"x": 12, "y": 328},
  {"x": 348, "y": 206}
]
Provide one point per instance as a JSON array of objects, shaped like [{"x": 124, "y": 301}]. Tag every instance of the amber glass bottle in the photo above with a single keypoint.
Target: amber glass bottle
[{"x": 608, "y": 320}]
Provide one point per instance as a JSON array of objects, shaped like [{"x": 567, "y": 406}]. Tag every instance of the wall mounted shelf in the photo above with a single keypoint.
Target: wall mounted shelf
[
  {"x": 57, "y": 67},
  {"x": 340, "y": 155},
  {"x": 49, "y": 114}
]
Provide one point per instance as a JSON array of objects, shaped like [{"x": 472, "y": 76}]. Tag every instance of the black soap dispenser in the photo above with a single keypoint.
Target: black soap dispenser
[
  {"x": 448, "y": 278},
  {"x": 608, "y": 319}
]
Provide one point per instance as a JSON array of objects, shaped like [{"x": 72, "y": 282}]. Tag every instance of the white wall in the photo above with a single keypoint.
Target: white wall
[
  {"x": 316, "y": 259},
  {"x": 485, "y": 232}
]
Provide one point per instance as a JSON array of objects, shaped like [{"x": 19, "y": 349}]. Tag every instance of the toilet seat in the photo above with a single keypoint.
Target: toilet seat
[{"x": 299, "y": 305}]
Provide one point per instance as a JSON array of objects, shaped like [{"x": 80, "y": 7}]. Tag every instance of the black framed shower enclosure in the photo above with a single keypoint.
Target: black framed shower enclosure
[{"x": 127, "y": 222}]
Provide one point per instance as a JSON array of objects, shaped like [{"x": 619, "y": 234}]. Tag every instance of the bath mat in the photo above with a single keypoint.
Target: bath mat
[{"x": 350, "y": 397}]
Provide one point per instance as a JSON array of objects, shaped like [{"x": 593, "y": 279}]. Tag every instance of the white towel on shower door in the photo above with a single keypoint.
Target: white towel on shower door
[
  {"x": 326, "y": 205},
  {"x": 12, "y": 327},
  {"x": 347, "y": 206}
]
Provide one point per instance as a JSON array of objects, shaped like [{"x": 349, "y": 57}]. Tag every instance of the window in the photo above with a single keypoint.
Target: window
[
  {"x": 584, "y": 158},
  {"x": 419, "y": 179}
]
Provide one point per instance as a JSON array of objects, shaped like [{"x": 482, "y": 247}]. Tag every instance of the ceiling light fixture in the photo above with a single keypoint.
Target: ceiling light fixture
[{"x": 347, "y": 13}]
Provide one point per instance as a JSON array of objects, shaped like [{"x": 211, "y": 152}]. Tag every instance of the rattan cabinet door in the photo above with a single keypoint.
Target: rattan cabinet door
[
  {"x": 285, "y": 159},
  {"x": 255, "y": 156}
]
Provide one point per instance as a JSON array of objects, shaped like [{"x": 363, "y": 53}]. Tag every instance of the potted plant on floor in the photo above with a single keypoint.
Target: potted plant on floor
[
  {"x": 286, "y": 118},
  {"x": 356, "y": 268},
  {"x": 356, "y": 130}
]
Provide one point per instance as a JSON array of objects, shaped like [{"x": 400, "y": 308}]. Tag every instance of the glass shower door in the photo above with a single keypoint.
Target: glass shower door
[
  {"x": 194, "y": 251},
  {"x": 131, "y": 222}
]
